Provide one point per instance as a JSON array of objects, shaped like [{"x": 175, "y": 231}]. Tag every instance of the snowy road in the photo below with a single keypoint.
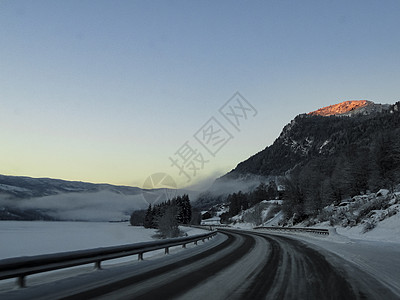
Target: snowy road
[{"x": 235, "y": 265}]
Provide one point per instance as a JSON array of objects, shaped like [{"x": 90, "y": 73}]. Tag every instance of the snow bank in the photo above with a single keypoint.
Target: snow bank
[{"x": 387, "y": 230}]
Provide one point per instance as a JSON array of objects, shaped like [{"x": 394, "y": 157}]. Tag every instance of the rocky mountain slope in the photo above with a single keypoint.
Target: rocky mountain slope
[
  {"x": 341, "y": 108},
  {"x": 351, "y": 108},
  {"x": 326, "y": 132}
]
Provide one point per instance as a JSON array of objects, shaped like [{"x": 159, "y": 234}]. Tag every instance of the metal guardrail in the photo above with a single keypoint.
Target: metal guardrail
[
  {"x": 21, "y": 267},
  {"x": 296, "y": 229},
  {"x": 321, "y": 231},
  {"x": 211, "y": 227}
]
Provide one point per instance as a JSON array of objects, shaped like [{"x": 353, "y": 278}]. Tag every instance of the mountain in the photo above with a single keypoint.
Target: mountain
[
  {"x": 332, "y": 153},
  {"x": 325, "y": 132},
  {"x": 321, "y": 158},
  {"x": 349, "y": 135}
]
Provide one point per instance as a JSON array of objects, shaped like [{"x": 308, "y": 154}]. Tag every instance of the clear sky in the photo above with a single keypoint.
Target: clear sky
[{"x": 107, "y": 91}]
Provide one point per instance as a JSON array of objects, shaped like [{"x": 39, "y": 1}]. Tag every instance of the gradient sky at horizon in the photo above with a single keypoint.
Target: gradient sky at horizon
[{"x": 106, "y": 91}]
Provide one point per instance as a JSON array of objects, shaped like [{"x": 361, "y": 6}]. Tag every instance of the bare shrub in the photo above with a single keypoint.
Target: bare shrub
[
  {"x": 253, "y": 215},
  {"x": 375, "y": 204},
  {"x": 368, "y": 226},
  {"x": 168, "y": 225},
  {"x": 391, "y": 212},
  {"x": 324, "y": 215},
  {"x": 273, "y": 210}
]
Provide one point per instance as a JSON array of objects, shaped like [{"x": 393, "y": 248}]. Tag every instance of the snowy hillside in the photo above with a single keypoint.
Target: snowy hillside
[{"x": 375, "y": 216}]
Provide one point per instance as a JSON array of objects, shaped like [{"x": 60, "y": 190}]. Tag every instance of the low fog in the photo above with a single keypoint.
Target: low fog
[
  {"x": 114, "y": 205},
  {"x": 95, "y": 206},
  {"x": 246, "y": 183}
]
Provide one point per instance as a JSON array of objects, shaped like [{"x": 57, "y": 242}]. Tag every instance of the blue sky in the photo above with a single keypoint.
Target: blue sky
[{"x": 107, "y": 91}]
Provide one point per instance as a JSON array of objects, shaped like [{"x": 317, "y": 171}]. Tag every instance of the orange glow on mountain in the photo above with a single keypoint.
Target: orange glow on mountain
[{"x": 340, "y": 108}]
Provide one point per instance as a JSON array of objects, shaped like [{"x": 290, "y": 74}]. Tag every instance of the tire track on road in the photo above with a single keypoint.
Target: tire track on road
[
  {"x": 184, "y": 283},
  {"x": 296, "y": 271},
  {"x": 137, "y": 279},
  {"x": 120, "y": 289}
]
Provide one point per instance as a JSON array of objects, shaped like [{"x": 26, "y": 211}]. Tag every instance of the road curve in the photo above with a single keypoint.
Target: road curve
[{"x": 237, "y": 265}]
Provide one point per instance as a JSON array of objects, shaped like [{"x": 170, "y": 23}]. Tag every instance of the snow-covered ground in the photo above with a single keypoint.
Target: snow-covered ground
[{"x": 26, "y": 238}]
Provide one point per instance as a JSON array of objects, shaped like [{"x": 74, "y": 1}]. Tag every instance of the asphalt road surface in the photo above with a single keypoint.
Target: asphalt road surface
[{"x": 235, "y": 265}]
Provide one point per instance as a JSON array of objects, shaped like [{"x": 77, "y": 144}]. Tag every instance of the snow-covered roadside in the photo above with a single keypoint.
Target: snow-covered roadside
[
  {"x": 379, "y": 258},
  {"x": 387, "y": 230},
  {"x": 377, "y": 251},
  {"x": 24, "y": 238},
  {"x": 372, "y": 216}
]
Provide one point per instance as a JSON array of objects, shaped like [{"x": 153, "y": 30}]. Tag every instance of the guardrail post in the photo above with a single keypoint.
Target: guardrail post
[
  {"x": 21, "y": 281},
  {"x": 140, "y": 256},
  {"x": 183, "y": 245},
  {"x": 166, "y": 250},
  {"x": 97, "y": 265},
  {"x": 195, "y": 242}
]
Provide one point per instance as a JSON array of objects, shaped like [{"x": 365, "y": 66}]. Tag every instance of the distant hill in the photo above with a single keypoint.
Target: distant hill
[
  {"x": 27, "y": 187},
  {"x": 26, "y": 198}
]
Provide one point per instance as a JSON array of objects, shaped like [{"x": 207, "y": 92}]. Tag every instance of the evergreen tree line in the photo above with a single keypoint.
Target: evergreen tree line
[
  {"x": 167, "y": 216},
  {"x": 151, "y": 217},
  {"x": 357, "y": 169},
  {"x": 180, "y": 205},
  {"x": 241, "y": 201}
]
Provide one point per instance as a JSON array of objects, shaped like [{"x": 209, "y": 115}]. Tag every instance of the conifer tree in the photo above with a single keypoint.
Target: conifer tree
[{"x": 148, "y": 219}]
